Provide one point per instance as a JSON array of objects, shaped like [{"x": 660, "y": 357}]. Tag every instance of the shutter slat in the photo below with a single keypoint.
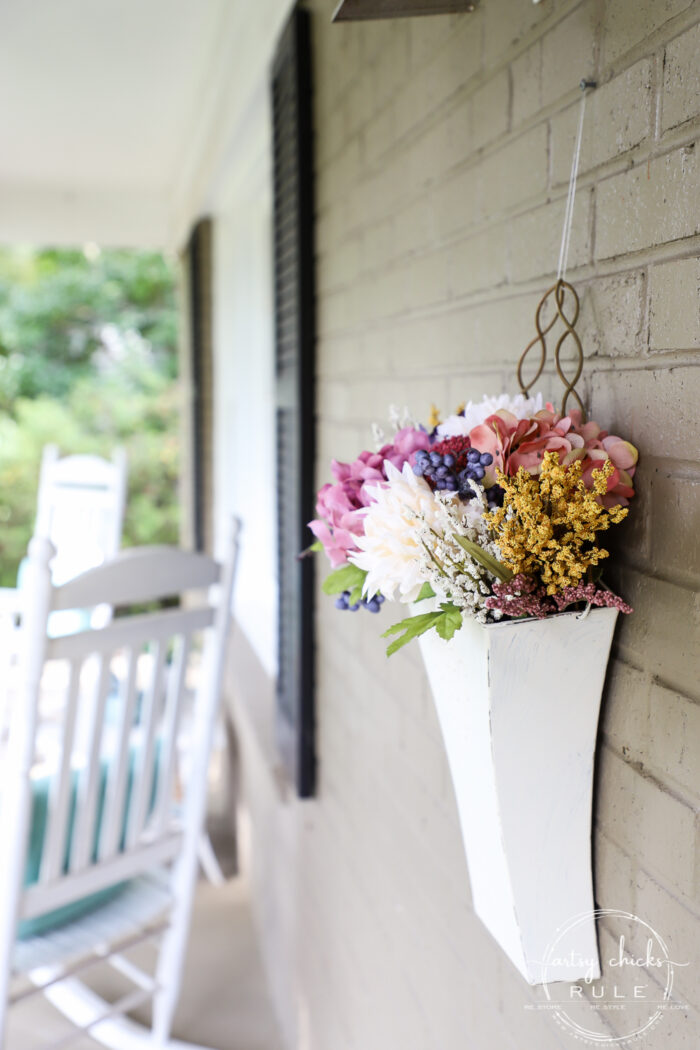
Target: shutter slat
[{"x": 294, "y": 336}]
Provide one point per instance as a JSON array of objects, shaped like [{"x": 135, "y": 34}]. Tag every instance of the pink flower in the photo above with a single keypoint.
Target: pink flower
[
  {"x": 516, "y": 443},
  {"x": 336, "y": 543},
  {"x": 406, "y": 443},
  {"x": 341, "y": 506}
]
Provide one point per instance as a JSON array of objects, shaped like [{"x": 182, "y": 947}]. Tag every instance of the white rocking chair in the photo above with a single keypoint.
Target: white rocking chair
[
  {"x": 114, "y": 822},
  {"x": 80, "y": 509},
  {"x": 81, "y": 502}
]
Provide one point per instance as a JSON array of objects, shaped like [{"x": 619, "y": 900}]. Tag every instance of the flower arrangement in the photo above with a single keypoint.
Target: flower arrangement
[{"x": 493, "y": 513}]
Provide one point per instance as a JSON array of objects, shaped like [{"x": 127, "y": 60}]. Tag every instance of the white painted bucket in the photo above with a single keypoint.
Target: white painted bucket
[{"x": 518, "y": 706}]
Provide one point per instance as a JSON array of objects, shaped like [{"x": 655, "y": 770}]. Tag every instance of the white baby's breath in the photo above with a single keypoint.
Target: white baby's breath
[
  {"x": 474, "y": 414},
  {"x": 452, "y": 573}
]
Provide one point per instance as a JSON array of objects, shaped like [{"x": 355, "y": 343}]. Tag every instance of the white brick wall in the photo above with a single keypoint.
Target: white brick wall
[{"x": 443, "y": 147}]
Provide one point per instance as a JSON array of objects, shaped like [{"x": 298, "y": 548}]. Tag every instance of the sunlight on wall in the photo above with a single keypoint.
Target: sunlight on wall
[{"x": 244, "y": 411}]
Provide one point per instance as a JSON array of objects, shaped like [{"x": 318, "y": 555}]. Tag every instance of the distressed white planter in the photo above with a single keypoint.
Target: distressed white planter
[{"x": 518, "y": 707}]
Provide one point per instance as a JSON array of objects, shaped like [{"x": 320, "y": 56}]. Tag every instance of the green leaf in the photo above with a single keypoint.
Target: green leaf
[
  {"x": 446, "y": 620},
  {"x": 346, "y": 578},
  {"x": 314, "y": 548},
  {"x": 450, "y": 622},
  {"x": 426, "y": 591},
  {"x": 412, "y": 626},
  {"x": 355, "y": 594},
  {"x": 493, "y": 565}
]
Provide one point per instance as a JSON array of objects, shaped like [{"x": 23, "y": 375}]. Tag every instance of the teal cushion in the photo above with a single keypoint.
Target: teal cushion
[{"x": 40, "y": 805}]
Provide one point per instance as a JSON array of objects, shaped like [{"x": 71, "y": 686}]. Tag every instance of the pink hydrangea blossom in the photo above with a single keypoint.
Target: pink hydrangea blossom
[
  {"x": 341, "y": 506},
  {"x": 516, "y": 443}
]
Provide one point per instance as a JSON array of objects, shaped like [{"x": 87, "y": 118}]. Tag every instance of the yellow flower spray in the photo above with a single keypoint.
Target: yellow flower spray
[{"x": 548, "y": 523}]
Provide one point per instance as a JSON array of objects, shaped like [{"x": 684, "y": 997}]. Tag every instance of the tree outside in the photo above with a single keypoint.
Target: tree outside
[{"x": 88, "y": 361}]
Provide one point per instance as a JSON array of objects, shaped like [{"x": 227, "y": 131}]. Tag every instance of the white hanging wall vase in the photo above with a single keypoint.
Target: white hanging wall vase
[{"x": 518, "y": 706}]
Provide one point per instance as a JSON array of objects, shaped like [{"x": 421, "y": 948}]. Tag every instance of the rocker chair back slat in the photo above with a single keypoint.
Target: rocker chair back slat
[
  {"x": 124, "y": 579},
  {"x": 117, "y": 777},
  {"x": 145, "y": 766},
  {"x": 171, "y": 727},
  {"x": 113, "y": 809},
  {"x": 89, "y": 781},
  {"x": 129, "y": 631},
  {"x": 60, "y": 792}
]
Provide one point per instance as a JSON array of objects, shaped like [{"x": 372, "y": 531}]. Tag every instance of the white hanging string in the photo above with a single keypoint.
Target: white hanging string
[{"x": 569, "y": 212}]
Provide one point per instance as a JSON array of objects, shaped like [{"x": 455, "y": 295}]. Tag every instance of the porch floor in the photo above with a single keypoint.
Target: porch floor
[{"x": 224, "y": 1002}]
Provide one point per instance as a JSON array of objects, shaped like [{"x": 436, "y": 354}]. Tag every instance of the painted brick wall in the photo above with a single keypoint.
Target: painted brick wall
[{"x": 443, "y": 153}]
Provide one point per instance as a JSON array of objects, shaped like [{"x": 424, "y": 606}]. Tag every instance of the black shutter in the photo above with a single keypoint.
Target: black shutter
[
  {"x": 294, "y": 337},
  {"x": 199, "y": 279}
]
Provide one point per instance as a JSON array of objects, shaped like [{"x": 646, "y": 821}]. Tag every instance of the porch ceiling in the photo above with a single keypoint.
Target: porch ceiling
[{"x": 101, "y": 104}]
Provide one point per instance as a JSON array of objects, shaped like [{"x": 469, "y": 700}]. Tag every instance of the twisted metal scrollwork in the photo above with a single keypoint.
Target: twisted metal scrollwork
[{"x": 559, "y": 292}]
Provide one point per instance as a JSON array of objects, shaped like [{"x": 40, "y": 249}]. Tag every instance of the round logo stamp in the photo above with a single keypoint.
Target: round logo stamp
[{"x": 635, "y": 988}]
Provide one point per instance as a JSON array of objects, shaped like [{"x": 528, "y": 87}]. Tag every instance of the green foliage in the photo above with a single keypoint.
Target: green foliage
[
  {"x": 87, "y": 361},
  {"x": 347, "y": 578},
  {"x": 494, "y": 566},
  {"x": 57, "y": 307},
  {"x": 446, "y": 620}
]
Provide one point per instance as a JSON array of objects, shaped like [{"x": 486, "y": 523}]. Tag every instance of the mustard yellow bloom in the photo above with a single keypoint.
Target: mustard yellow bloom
[{"x": 547, "y": 525}]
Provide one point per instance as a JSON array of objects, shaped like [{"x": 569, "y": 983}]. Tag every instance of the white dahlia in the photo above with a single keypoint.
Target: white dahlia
[
  {"x": 391, "y": 546},
  {"x": 474, "y": 414}
]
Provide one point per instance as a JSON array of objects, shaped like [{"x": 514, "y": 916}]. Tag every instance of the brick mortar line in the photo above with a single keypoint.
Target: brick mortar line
[
  {"x": 445, "y": 109},
  {"x": 654, "y": 772},
  {"x": 626, "y": 365},
  {"x": 651, "y": 573},
  {"x": 654, "y": 359},
  {"x": 659, "y": 785},
  {"x": 687, "y": 903},
  {"x": 646, "y": 310},
  {"x": 652, "y": 976},
  {"x": 628, "y": 162},
  {"x": 675, "y": 577},
  {"x": 657, "y": 39},
  {"x": 591, "y": 181},
  {"x": 651, "y": 576},
  {"x": 657, "y": 679},
  {"x": 633, "y": 665},
  {"x": 649, "y": 149},
  {"x": 657, "y": 90},
  {"x": 652, "y": 45},
  {"x": 478, "y": 79},
  {"x": 588, "y": 272},
  {"x": 621, "y": 654}
]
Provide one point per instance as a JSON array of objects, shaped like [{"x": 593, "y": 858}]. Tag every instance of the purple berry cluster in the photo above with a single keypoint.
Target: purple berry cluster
[
  {"x": 442, "y": 470},
  {"x": 372, "y": 605},
  {"x": 437, "y": 468}
]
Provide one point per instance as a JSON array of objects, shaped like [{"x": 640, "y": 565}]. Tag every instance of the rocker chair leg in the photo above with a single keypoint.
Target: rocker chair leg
[
  {"x": 89, "y": 1012},
  {"x": 208, "y": 861}
]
